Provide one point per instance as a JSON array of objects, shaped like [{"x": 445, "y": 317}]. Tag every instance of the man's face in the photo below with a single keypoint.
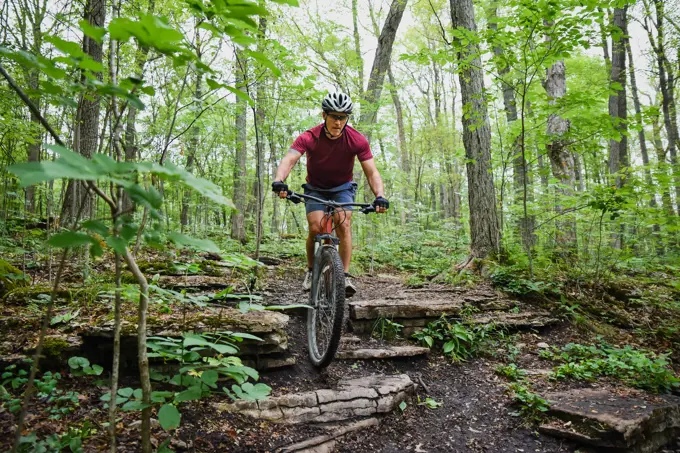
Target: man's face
[{"x": 335, "y": 122}]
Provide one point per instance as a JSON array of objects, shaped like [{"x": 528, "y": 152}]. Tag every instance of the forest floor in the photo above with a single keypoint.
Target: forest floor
[{"x": 474, "y": 410}]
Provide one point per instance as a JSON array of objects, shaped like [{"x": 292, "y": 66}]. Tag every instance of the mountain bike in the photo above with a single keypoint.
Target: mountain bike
[{"x": 326, "y": 316}]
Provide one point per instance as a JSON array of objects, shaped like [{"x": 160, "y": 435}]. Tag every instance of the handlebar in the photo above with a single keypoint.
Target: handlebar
[{"x": 301, "y": 197}]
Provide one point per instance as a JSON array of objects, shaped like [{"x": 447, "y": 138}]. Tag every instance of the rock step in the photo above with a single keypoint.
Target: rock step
[
  {"x": 628, "y": 421},
  {"x": 524, "y": 320},
  {"x": 409, "y": 308},
  {"x": 360, "y": 397},
  {"x": 326, "y": 442},
  {"x": 383, "y": 353}
]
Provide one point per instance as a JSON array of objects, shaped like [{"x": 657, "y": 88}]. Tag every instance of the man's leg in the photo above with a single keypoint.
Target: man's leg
[
  {"x": 343, "y": 222},
  {"x": 314, "y": 227}
]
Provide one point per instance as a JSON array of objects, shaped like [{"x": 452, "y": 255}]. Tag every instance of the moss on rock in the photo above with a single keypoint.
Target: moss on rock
[
  {"x": 11, "y": 278},
  {"x": 53, "y": 346}
]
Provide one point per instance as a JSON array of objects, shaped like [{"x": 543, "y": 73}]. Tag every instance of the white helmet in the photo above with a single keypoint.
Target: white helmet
[{"x": 337, "y": 102}]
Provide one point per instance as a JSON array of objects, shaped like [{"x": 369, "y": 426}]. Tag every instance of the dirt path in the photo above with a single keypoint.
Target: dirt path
[{"x": 473, "y": 416}]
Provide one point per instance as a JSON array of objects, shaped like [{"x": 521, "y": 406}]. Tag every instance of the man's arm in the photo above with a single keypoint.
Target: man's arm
[
  {"x": 287, "y": 164},
  {"x": 373, "y": 177}
]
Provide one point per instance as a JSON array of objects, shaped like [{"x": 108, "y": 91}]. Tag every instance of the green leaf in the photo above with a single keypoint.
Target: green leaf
[
  {"x": 126, "y": 392},
  {"x": 117, "y": 243},
  {"x": 96, "y": 33},
  {"x": 169, "y": 417},
  {"x": 402, "y": 406},
  {"x": 134, "y": 405},
  {"x": 264, "y": 61},
  {"x": 68, "y": 47},
  {"x": 190, "y": 394},
  {"x": 96, "y": 226},
  {"x": 209, "y": 377},
  {"x": 97, "y": 369},
  {"x": 250, "y": 392},
  {"x": 78, "y": 362},
  {"x": 68, "y": 239},
  {"x": 182, "y": 240}
]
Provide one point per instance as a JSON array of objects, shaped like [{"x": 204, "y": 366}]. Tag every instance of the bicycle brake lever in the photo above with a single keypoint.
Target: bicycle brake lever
[
  {"x": 295, "y": 198},
  {"x": 368, "y": 209}
]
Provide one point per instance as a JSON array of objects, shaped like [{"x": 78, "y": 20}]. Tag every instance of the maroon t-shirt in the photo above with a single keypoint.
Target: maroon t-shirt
[{"x": 330, "y": 162}]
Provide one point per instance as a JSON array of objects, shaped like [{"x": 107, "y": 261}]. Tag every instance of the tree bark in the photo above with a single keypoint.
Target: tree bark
[
  {"x": 666, "y": 84},
  {"x": 520, "y": 182},
  {"x": 561, "y": 159},
  {"x": 238, "y": 228},
  {"x": 381, "y": 63},
  {"x": 87, "y": 118},
  {"x": 484, "y": 230},
  {"x": 618, "y": 149}
]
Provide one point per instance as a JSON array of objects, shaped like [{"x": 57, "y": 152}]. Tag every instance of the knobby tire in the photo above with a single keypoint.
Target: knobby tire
[{"x": 327, "y": 296}]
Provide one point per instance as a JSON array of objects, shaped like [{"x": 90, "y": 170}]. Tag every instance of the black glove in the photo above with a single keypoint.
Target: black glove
[
  {"x": 278, "y": 186},
  {"x": 381, "y": 202}
]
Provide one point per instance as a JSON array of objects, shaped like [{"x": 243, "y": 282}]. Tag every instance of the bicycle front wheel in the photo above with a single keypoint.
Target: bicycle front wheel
[{"x": 327, "y": 297}]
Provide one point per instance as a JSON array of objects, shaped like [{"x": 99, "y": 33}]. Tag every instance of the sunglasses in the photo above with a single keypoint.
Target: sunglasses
[{"x": 341, "y": 118}]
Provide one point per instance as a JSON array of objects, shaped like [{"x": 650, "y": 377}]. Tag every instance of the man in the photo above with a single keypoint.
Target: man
[{"x": 331, "y": 148}]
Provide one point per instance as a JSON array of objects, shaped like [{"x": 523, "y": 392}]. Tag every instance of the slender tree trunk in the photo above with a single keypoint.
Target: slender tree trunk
[
  {"x": 618, "y": 149},
  {"x": 520, "y": 183},
  {"x": 357, "y": 45},
  {"x": 484, "y": 231},
  {"x": 403, "y": 149},
  {"x": 381, "y": 63},
  {"x": 666, "y": 84},
  {"x": 259, "y": 119},
  {"x": 238, "y": 228},
  {"x": 662, "y": 166},
  {"x": 193, "y": 147}
]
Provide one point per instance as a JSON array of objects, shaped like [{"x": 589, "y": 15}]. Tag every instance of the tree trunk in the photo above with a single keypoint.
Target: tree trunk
[
  {"x": 662, "y": 166},
  {"x": 638, "y": 119},
  {"x": 666, "y": 84},
  {"x": 357, "y": 45},
  {"x": 380, "y": 65},
  {"x": 618, "y": 149},
  {"x": 191, "y": 150},
  {"x": 260, "y": 97},
  {"x": 520, "y": 183},
  {"x": 561, "y": 159},
  {"x": 87, "y": 118},
  {"x": 238, "y": 228},
  {"x": 403, "y": 150},
  {"x": 484, "y": 232}
]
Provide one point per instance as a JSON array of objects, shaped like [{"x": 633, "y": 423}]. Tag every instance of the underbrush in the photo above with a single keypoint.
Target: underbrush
[{"x": 635, "y": 367}]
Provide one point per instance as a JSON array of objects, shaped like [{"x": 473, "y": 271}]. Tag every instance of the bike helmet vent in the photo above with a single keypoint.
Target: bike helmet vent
[{"x": 337, "y": 102}]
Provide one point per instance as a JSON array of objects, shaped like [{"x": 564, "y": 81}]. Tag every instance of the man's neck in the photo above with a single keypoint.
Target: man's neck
[{"x": 329, "y": 135}]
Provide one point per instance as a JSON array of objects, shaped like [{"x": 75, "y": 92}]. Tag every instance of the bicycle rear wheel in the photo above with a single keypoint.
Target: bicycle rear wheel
[{"x": 327, "y": 296}]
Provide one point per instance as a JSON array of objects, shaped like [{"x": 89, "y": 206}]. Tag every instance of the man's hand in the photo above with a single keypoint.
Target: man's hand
[
  {"x": 280, "y": 188},
  {"x": 381, "y": 204}
]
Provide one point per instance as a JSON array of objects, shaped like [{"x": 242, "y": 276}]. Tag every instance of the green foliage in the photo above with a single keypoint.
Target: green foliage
[
  {"x": 71, "y": 440},
  {"x": 529, "y": 405},
  {"x": 460, "y": 341},
  {"x": 58, "y": 402},
  {"x": 636, "y": 367},
  {"x": 430, "y": 403},
  {"x": 386, "y": 329},
  {"x": 80, "y": 366},
  {"x": 511, "y": 372},
  {"x": 510, "y": 280}
]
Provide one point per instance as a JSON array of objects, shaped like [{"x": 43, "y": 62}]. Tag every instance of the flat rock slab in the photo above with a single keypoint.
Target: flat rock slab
[
  {"x": 525, "y": 319},
  {"x": 383, "y": 353},
  {"x": 410, "y": 307},
  {"x": 326, "y": 442},
  {"x": 629, "y": 421},
  {"x": 352, "y": 398}
]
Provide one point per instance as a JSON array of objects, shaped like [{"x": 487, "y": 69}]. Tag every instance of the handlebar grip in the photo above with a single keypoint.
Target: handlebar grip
[{"x": 368, "y": 209}]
